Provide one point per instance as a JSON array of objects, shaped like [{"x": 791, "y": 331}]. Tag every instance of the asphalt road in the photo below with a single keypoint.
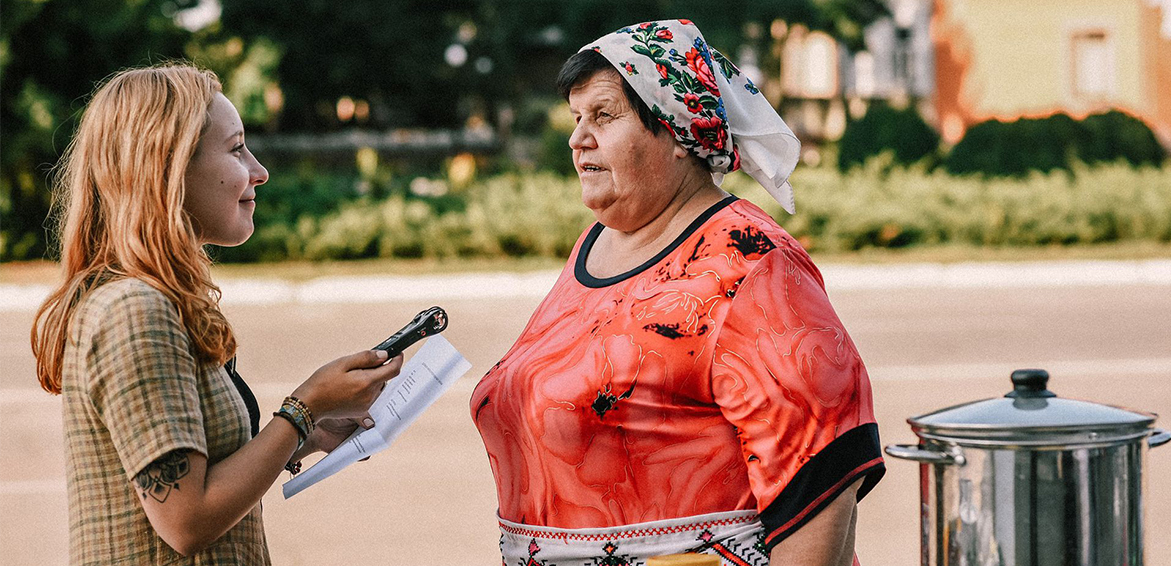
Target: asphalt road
[{"x": 431, "y": 500}]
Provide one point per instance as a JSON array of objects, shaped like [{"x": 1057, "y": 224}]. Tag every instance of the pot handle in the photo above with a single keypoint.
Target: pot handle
[
  {"x": 917, "y": 453},
  {"x": 1158, "y": 437}
]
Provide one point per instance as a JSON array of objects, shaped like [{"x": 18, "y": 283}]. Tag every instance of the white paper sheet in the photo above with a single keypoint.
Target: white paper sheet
[{"x": 424, "y": 377}]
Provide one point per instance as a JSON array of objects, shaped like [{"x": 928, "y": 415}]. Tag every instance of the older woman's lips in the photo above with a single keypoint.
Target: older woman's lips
[{"x": 591, "y": 168}]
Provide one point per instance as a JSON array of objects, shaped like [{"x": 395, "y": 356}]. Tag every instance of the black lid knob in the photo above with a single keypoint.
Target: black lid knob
[{"x": 1028, "y": 383}]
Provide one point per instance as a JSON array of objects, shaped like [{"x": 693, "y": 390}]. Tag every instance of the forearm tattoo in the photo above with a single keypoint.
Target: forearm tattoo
[{"x": 162, "y": 475}]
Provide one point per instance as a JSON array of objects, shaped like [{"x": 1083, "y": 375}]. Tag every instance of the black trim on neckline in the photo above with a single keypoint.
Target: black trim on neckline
[{"x": 583, "y": 276}]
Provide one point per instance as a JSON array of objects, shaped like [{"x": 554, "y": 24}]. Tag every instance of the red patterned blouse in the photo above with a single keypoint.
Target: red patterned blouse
[{"x": 714, "y": 377}]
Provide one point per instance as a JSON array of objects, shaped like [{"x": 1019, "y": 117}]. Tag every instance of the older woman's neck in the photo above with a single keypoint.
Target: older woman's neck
[{"x": 619, "y": 251}]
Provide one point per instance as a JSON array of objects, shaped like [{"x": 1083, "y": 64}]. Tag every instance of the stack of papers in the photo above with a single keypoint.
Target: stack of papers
[{"x": 424, "y": 377}]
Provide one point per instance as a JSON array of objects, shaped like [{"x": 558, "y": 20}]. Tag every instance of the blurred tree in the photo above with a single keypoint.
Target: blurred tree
[
  {"x": 52, "y": 52},
  {"x": 420, "y": 63},
  {"x": 320, "y": 65}
]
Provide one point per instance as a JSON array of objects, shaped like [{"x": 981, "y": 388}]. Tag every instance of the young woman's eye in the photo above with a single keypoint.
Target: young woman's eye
[{"x": 238, "y": 148}]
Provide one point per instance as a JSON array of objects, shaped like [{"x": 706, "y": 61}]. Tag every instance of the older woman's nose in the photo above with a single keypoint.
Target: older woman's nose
[{"x": 582, "y": 137}]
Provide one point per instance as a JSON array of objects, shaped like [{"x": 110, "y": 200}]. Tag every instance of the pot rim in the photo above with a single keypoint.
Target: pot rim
[{"x": 1081, "y": 439}]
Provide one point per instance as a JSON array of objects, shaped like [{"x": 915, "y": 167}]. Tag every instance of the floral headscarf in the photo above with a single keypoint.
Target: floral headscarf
[{"x": 710, "y": 107}]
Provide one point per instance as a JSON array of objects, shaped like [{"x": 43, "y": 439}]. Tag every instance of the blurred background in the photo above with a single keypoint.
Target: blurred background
[
  {"x": 415, "y": 141},
  {"x": 412, "y": 129}
]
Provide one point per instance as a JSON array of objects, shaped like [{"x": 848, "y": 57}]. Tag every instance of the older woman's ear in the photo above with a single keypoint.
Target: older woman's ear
[{"x": 681, "y": 152}]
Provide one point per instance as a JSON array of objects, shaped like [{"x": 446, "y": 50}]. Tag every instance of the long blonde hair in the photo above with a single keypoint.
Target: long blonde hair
[{"x": 119, "y": 191}]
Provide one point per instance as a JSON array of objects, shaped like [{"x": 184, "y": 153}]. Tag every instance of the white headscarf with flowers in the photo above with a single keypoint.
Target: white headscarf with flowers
[{"x": 710, "y": 107}]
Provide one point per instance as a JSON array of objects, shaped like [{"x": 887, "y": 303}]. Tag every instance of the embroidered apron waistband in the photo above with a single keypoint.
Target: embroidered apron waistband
[{"x": 736, "y": 536}]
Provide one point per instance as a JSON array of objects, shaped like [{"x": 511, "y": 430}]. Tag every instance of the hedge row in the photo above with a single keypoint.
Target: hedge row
[
  {"x": 997, "y": 148},
  {"x": 870, "y": 206}
]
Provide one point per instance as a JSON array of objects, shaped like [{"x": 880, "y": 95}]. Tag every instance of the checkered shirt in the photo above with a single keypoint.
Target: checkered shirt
[{"x": 132, "y": 393}]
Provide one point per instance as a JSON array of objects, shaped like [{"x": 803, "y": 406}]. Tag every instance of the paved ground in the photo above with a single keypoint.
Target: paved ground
[{"x": 430, "y": 499}]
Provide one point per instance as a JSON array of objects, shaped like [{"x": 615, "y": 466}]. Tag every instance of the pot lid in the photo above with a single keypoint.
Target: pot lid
[{"x": 1032, "y": 416}]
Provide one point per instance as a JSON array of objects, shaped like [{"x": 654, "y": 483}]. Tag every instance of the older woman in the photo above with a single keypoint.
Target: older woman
[{"x": 686, "y": 385}]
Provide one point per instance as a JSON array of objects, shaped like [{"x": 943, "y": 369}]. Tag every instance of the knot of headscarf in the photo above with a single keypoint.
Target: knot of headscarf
[{"x": 707, "y": 104}]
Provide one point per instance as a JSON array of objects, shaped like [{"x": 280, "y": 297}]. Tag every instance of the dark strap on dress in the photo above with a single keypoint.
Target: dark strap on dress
[{"x": 246, "y": 394}]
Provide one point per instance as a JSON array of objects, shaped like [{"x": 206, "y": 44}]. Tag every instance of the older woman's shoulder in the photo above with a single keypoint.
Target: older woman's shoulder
[
  {"x": 750, "y": 230},
  {"x": 757, "y": 237}
]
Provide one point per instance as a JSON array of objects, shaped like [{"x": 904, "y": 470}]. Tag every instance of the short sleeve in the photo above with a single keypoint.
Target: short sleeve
[
  {"x": 788, "y": 377},
  {"x": 142, "y": 377}
]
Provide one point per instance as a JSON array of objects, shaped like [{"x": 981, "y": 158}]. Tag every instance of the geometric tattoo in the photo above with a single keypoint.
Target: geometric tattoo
[{"x": 162, "y": 475}]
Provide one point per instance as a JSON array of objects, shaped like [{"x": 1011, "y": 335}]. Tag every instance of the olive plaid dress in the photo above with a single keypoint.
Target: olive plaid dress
[{"x": 133, "y": 392}]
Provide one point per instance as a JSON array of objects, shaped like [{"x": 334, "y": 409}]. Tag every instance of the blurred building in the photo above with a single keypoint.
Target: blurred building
[
  {"x": 822, "y": 82},
  {"x": 1009, "y": 58},
  {"x": 965, "y": 61}
]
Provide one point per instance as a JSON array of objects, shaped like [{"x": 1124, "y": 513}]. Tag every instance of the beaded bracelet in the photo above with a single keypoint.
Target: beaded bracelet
[
  {"x": 294, "y": 411},
  {"x": 304, "y": 409}
]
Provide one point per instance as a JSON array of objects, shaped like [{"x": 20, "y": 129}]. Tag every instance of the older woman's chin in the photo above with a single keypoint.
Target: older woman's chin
[{"x": 597, "y": 200}]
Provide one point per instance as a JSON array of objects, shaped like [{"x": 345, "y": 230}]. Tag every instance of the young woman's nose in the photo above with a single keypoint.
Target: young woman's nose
[{"x": 257, "y": 173}]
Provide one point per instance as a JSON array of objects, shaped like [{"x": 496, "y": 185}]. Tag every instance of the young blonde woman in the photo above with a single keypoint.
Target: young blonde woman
[{"x": 166, "y": 462}]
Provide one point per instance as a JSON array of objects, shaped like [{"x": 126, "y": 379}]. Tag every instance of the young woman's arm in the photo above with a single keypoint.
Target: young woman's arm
[{"x": 190, "y": 505}]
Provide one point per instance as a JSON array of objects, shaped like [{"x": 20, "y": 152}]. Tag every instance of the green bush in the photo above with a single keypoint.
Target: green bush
[
  {"x": 1015, "y": 148},
  {"x": 1115, "y": 135},
  {"x": 868, "y": 208},
  {"x": 507, "y": 215},
  {"x": 1052, "y": 143},
  {"x": 886, "y": 129},
  {"x": 873, "y": 206}
]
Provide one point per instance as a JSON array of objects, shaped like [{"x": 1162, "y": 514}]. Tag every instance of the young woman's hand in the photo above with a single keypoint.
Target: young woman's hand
[
  {"x": 329, "y": 434},
  {"x": 346, "y": 387}
]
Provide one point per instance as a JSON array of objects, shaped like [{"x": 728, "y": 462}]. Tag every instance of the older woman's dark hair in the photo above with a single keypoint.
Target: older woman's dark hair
[{"x": 585, "y": 64}]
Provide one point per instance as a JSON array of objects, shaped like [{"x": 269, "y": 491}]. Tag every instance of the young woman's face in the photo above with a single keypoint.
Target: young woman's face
[{"x": 222, "y": 178}]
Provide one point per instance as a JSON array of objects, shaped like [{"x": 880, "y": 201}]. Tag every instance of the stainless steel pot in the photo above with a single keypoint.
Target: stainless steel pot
[{"x": 1031, "y": 479}]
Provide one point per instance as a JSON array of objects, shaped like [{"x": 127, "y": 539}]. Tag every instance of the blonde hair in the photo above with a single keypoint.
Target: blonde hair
[{"x": 119, "y": 191}]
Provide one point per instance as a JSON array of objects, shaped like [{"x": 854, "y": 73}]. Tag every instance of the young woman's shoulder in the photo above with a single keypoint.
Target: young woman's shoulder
[
  {"x": 124, "y": 302},
  {"x": 125, "y": 291}
]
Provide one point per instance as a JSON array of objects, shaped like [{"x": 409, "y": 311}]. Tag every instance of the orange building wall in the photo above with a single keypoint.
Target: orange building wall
[
  {"x": 1157, "y": 69},
  {"x": 1009, "y": 58}
]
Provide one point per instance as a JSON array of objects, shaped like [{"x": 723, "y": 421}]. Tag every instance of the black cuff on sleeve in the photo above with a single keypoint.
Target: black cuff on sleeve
[{"x": 855, "y": 454}]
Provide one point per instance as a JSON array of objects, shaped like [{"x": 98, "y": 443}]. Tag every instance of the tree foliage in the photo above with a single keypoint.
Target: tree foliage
[
  {"x": 51, "y": 55},
  {"x": 287, "y": 65}
]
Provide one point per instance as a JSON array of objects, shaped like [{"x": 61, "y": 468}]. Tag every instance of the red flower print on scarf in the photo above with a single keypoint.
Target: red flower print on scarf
[
  {"x": 703, "y": 72},
  {"x": 662, "y": 69},
  {"x": 685, "y": 22},
  {"x": 670, "y": 127},
  {"x": 692, "y": 102},
  {"x": 645, "y": 25},
  {"x": 664, "y": 34},
  {"x": 709, "y": 132}
]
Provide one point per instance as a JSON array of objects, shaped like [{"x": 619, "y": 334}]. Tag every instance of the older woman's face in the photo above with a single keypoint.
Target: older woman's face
[{"x": 628, "y": 175}]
